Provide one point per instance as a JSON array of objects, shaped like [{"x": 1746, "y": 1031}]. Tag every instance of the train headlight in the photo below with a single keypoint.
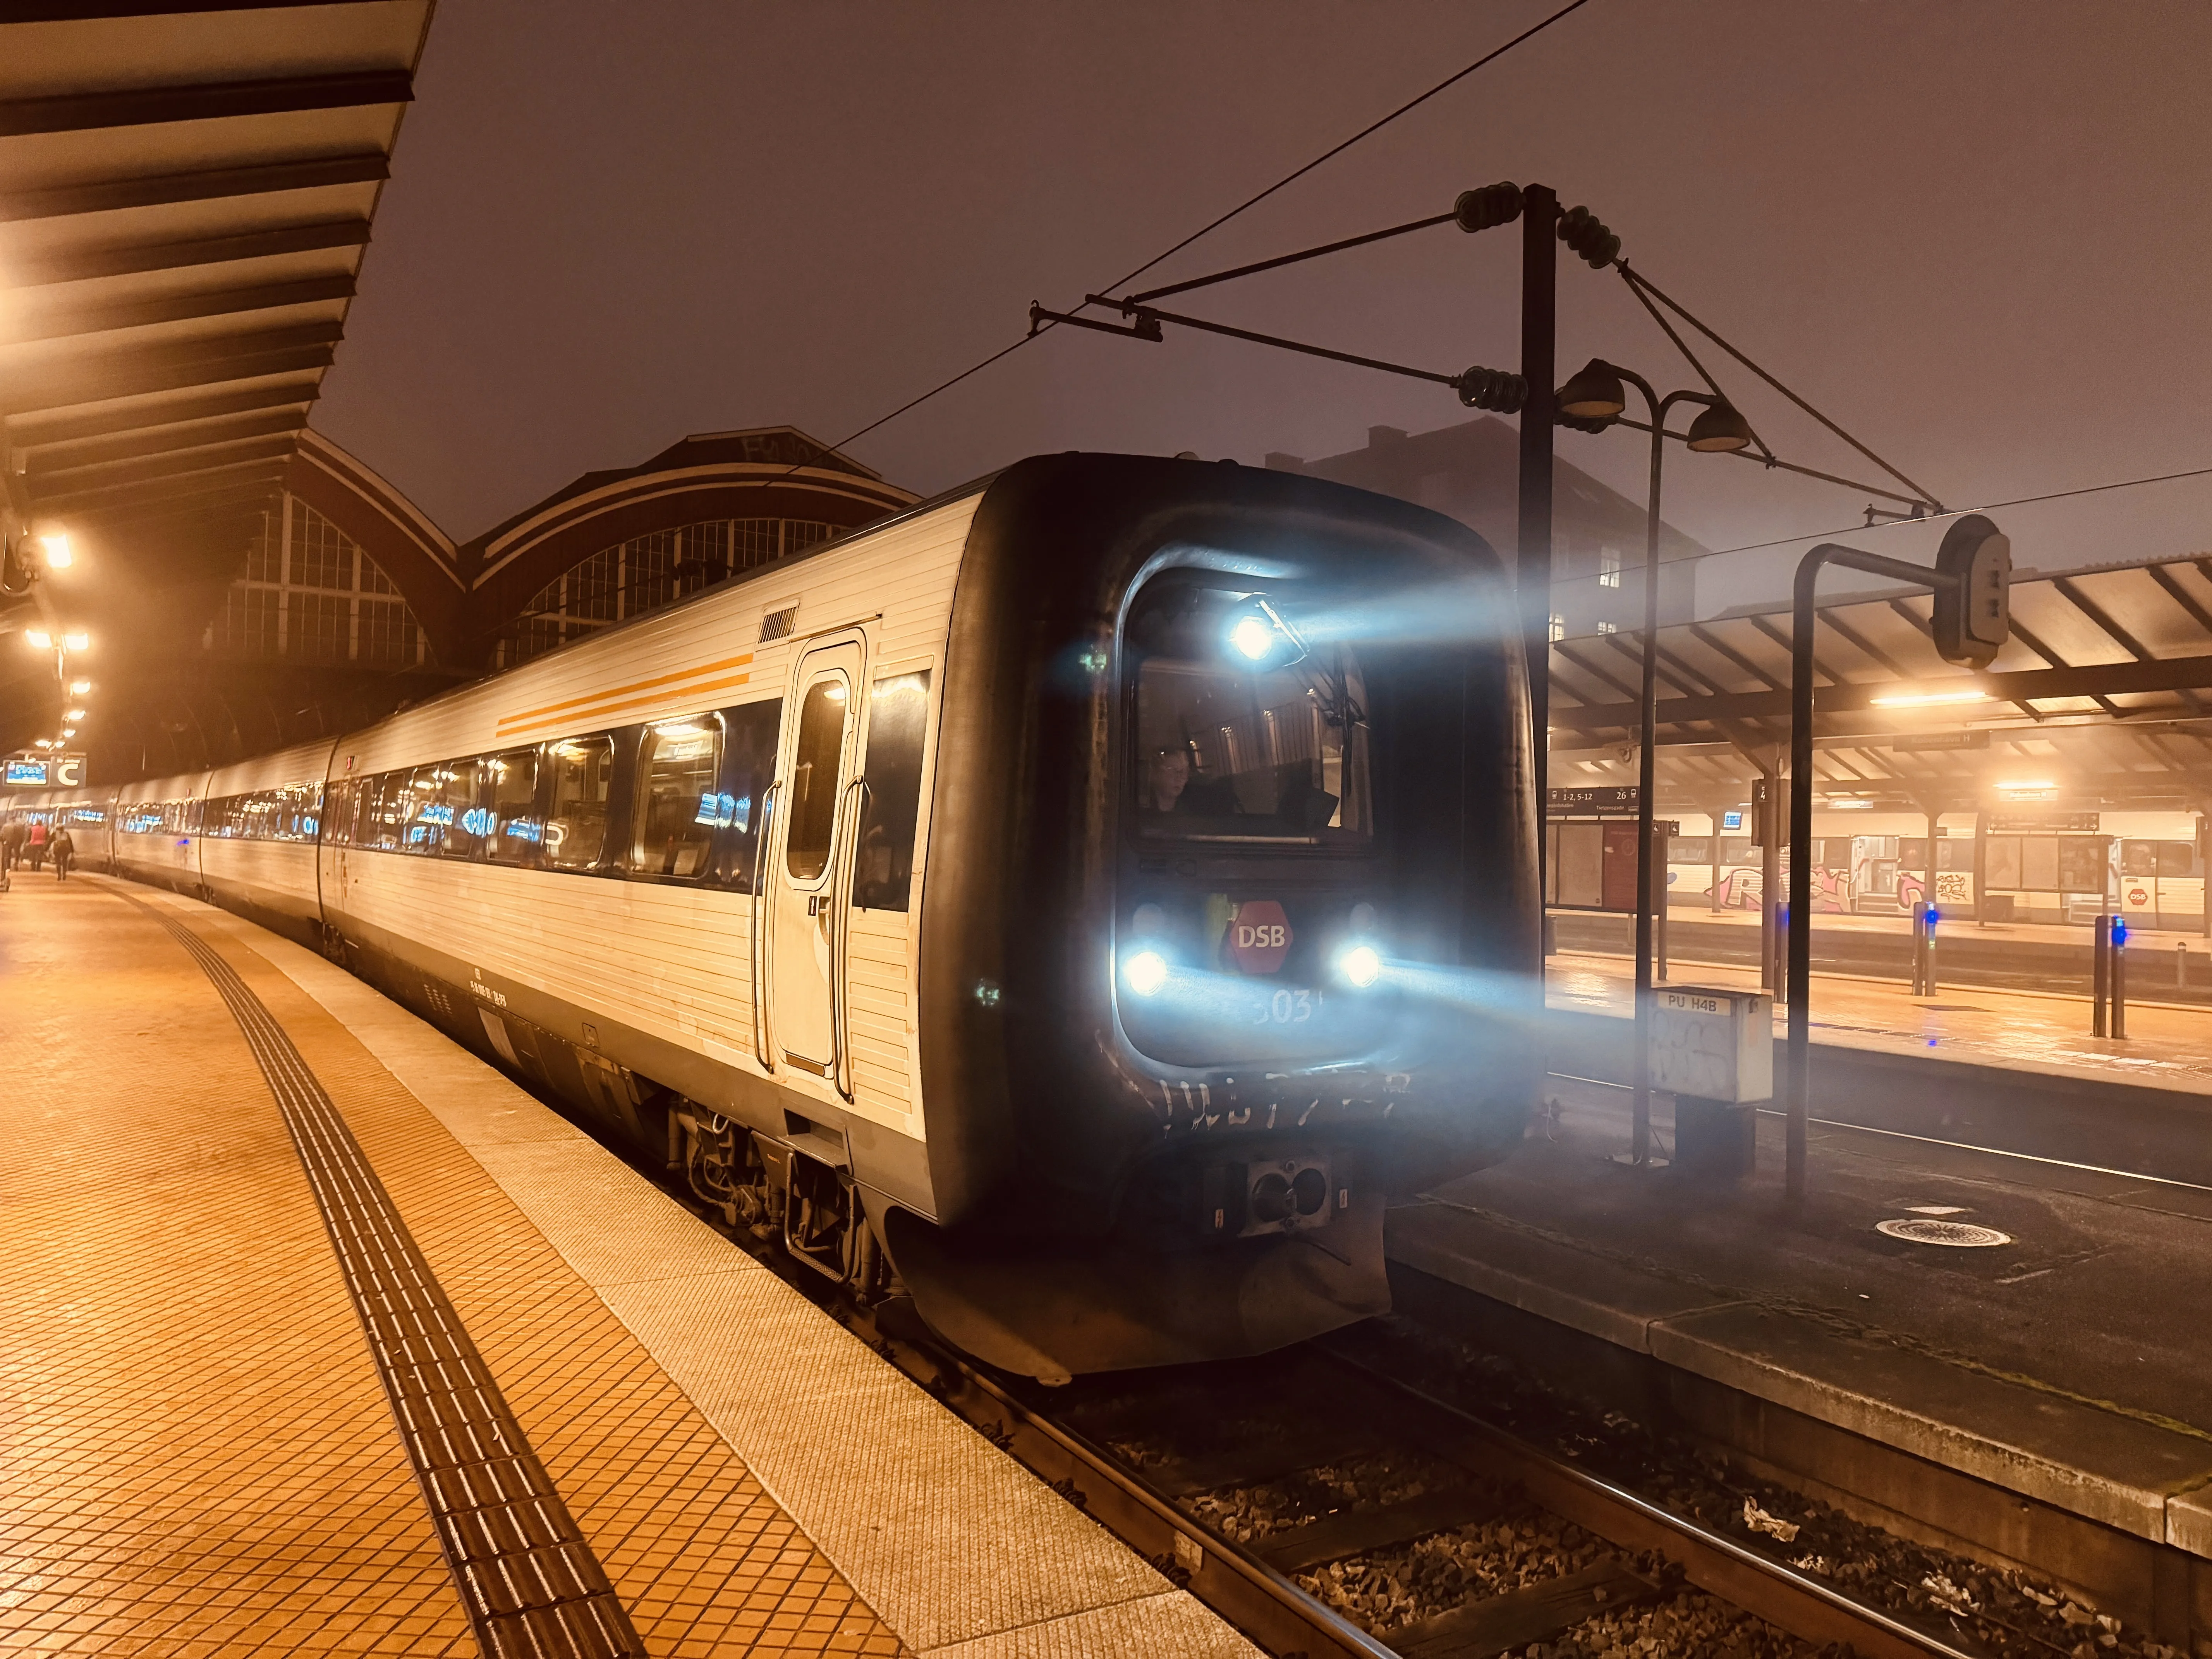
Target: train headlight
[
  {"x": 1146, "y": 971},
  {"x": 1361, "y": 964},
  {"x": 1258, "y": 637}
]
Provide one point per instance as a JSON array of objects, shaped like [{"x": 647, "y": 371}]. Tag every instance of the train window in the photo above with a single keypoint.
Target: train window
[
  {"x": 1689, "y": 849},
  {"x": 1230, "y": 749},
  {"x": 375, "y": 822},
  {"x": 442, "y": 816},
  {"x": 1738, "y": 849},
  {"x": 815, "y": 762},
  {"x": 678, "y": 804},
  {"x": 2138, "y": 857},
  {"x": 899, "y": 716},
  {"x": 751, "y": 731},
  {"x": 514, "y": 826},
  {"x": 576, "y": 830},
  {"x": 2177, "y": 858}
]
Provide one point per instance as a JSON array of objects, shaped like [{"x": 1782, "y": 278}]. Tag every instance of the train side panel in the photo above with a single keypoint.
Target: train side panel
[
  {"x": 154, "y": 831},
  {"x": 594, "y": 980}
]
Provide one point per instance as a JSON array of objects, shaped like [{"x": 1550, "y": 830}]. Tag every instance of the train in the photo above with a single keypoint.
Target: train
[{"x": 1077, "y": 903}]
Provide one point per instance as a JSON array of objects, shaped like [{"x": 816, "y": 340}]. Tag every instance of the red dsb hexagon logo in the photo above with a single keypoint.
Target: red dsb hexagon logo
[{"x": 1259, "y": 934}]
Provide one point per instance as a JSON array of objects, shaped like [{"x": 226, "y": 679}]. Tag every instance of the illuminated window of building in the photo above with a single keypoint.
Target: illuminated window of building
[
  {"x": 310, "y": 594},
  {"x": 1608, "y": 567},
  {"x": 647, "y": 572},
  {"x": 1558, "y": 627},
  {"x": 1605, "y": 628}
]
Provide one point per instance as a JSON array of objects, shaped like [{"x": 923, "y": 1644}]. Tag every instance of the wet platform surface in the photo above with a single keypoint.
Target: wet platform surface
[
  {"x": 316, "y": 1336},
  {"x": 2168, "y": 1046},
  {"x": 2059, "y": 1364}
]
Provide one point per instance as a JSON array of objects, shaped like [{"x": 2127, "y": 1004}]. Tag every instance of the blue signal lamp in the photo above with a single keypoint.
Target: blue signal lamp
[{"x": 2119, "y": 931}]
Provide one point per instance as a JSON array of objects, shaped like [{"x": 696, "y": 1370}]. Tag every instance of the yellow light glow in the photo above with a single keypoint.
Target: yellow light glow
[
  {"x": 1930, "y": 699},
  {"x": 37, "y": 639},
  {"x": 1851, "y": 806},
  {"x": 59, "y": 554},
  {"x": 73, "y": 713},
  {"x": 2020, "y": 786},
  {"x": 77, "y": 641},
  {"x": 78, "y": 688}
]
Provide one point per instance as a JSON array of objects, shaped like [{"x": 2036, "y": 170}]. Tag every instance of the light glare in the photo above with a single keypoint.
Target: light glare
[
  {"x": 1930, "y": 699},
  {"x": 78, "y": 688},
  {"x": 1146, "y": 971},
  {"x": 77, "y": 641},
  {"x": 1361, "y": 964},
  {"x": 1252, "y": 636},
  {"x": 58, "y": 555},
  {"x": 39, "y": 639}
]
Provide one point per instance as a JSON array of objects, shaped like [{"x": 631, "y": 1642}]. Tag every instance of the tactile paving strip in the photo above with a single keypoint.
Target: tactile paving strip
[{"x": 530, "y": 1583}]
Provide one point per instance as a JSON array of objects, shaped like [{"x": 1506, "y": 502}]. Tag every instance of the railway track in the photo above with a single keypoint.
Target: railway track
[{"x": 1144, "y": 1453}]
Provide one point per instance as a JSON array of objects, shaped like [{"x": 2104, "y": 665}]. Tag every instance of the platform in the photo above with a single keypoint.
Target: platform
[
  {"x": 2168, "y": 1046},
  {"x": 319, "y": 1335},
  {"x": 2059, "y": 1373}
]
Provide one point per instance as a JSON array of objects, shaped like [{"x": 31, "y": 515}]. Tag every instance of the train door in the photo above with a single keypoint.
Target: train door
[{"x": 812, "y": 858}]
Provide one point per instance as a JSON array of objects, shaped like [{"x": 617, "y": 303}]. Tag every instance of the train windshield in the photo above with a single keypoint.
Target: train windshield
[{"x": 1245, "y": 730}]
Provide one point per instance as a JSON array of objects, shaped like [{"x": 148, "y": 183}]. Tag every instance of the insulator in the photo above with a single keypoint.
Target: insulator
[
  {"x": 1493, "y": 389},
  {"x": 1587, "y": 235},
  {"x": 1493, "y": 205}
]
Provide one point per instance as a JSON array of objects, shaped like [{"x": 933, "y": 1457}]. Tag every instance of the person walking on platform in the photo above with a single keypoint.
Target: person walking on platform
[
  {"x": 11, "y": 848},
  {"x": 35, "y": 844},
  {"x": 62, "y": 845}
]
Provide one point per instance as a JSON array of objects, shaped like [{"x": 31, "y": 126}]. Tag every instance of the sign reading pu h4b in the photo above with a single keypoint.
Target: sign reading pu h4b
[{"x": 1259, "y": 934}]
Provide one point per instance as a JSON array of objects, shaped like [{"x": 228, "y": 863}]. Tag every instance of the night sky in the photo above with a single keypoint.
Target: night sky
[{"x": 1974, "y": 233}]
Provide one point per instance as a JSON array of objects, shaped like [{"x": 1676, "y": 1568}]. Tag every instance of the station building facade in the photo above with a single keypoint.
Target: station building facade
[{"x": 348, "y": 601}]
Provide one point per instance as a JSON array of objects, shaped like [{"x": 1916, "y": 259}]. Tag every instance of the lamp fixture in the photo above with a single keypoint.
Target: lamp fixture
[
  {"x": 1720, "y": 430},
  {"x": 1930, "y": 699},
  {"x": 1595, "y": 393}
]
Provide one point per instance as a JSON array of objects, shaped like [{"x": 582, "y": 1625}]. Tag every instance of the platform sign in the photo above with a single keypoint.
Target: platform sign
[
  {"x": 27, "y": 774},
  {"x": 1713, "y": 1044},
  {"x": 1598, "y": 799}
]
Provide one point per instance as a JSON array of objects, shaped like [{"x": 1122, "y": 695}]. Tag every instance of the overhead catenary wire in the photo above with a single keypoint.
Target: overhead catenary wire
[
  {"x": 1637, "y": 280},
  {"x": 1206, "y": 229},
  {"x": 1956, "y": 512}
]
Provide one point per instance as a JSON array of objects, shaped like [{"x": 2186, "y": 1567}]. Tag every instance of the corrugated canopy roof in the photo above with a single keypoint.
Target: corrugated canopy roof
[
  {"x": 185, "y": 195},
  {"x": 2110, "y": 665}
]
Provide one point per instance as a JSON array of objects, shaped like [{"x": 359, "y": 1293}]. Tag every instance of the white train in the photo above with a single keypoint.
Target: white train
[{"x": 1075, "y": 903}]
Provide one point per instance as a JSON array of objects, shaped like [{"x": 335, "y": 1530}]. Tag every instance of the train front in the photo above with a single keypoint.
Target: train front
[{"x": 1254, "y": 947}]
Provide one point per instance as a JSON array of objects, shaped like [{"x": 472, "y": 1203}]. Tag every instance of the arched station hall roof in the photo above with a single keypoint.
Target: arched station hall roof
[{"x": 763, "y": 472}]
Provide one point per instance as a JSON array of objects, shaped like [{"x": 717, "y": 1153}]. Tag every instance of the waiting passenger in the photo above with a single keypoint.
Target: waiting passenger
[
  {"x": 62, "y": 845},
  {"x": 11, "y": 845},
  {"x": 34, "y": 845}
]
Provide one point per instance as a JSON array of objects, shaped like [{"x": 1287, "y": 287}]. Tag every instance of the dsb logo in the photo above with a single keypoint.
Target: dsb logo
[{"x": 1258, "y": 935}]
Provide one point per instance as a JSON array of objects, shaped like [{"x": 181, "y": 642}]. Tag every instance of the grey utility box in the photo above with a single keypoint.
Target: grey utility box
[
  {"x": 1713, "y": 1050},
  {"x": 1715, "y": 1044}
]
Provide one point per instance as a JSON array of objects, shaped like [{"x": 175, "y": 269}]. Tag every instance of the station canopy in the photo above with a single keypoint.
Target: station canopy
[
  {"x": 185, "y": 195},
  {"x": 2101, "y": 692}
]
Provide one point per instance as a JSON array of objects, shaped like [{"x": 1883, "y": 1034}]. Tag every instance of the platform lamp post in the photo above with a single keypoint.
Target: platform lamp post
[
  {"x": 1972, "y": 619},
  {"x": 1594, "y": 399}
]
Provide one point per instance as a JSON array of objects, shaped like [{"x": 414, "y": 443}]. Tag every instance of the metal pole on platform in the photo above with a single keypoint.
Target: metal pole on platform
[
  {"x": 1597, "y": 396},
  {"x": 2119, "y": 956},
  {"x": 1796, "y": 1074},
  {"x": 2100, "y": 975},
  {"x": 1532, "y": 562}
]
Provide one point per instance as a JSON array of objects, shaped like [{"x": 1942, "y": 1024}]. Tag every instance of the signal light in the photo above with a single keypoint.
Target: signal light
[
  {"x": 1493, "y": 389},
  {"x": 1586, "y": 234},
  {"x": 1972, "y": 616},
  {"x": 1483, "y": 208}
]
